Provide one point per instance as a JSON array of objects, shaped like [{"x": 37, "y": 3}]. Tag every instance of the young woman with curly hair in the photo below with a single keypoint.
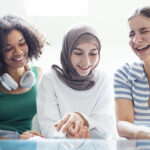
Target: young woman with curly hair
[{"x": 19, "y": 43}]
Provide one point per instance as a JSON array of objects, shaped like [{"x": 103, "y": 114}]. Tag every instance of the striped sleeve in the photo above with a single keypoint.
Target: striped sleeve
[{"x": 122, "y": 86}]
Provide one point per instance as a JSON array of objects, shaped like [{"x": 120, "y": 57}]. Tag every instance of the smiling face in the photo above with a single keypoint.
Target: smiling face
[
  {"x": 140, "y": 36},
  {"x": 85, "y": 58},
  {"x": 16, "y": 50}
]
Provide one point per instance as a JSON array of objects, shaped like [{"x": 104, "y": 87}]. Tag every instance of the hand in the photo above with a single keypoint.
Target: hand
[
  {"x": 3, "y": 138},
  {"x": 29, "y": 134},
  {"x": 71, "y": 120},
  {"x": 83, "y": 133}
]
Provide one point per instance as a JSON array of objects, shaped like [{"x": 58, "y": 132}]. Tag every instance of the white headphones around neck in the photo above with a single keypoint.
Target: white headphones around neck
[{"x": 27, "y": 81}]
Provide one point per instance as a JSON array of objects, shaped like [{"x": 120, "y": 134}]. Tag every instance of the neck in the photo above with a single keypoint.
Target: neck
[
  {"x": 147, "y": 68},
  {"x": 16, "y": 73}
]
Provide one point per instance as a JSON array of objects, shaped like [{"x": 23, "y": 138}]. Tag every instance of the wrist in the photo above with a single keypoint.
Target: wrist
[{"x": 142, "y": 135}]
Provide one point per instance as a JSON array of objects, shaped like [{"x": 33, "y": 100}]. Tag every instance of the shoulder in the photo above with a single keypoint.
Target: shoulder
[
  {"x": 123, "y": 69},
  {"x": 102, "y": 77},
  {"x": 101, "y": 74},
  {"x": 129, "y": 71},
  {"x": 50, "y": 75}
]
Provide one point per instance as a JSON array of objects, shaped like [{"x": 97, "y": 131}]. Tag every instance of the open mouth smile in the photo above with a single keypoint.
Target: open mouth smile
[
  {"x": 86, "y": 68},
  {"x": 19, "y": 59},
  {"x": 142, "y": 48}
]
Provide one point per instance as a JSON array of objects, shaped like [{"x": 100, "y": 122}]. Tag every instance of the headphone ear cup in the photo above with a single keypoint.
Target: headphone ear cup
[
  {"x": 8, "y": 82},
  {"x": 4, "y": 85},
  {"x": 27, "y": 80}
]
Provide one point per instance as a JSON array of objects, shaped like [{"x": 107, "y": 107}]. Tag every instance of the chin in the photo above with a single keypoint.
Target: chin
[{"x": 83, "y": 75}]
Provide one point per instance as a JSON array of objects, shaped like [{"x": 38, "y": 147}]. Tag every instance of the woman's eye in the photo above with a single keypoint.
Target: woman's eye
[
  {"x": 22, "y": 44},
  {"x": 93, "y": 54},
  {"x": 8, "y": 49},
  {"x": 144, "y": 31},
  {"x": 77, "y": 53},
  {"x": 131, "y": 35}
]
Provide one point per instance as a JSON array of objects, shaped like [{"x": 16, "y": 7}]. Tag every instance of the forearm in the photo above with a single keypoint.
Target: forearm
[
  {"x": 3, "y": 138},
  {"x": 131, "y": 131},
  {"x": 102, "y": 126}
]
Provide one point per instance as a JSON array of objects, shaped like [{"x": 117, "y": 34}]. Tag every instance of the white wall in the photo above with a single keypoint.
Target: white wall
[{"x": 109, "y": 17}]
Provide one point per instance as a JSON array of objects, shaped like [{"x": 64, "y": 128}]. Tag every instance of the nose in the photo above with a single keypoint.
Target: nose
[
  {"x": 137, "y": 39},
  {"x": 85, "y": 60},
  {"x": 18, "y": 51}
]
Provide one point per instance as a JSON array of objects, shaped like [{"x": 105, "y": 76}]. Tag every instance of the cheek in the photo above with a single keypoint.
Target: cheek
[
  {"x": 130, "y": 43},
  {"x": 95, "y": 60},
  {"x": 26, "y": 48},
  {"x": 74, "y": 60},
  {"x": 7, "y": 56}
]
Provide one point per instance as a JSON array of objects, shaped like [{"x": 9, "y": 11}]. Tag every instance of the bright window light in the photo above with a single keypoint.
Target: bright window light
[{"x": 56, "y": 7}]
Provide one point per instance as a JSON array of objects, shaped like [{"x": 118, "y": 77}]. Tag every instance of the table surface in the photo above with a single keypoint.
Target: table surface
[{"x": 70, "y": 144}]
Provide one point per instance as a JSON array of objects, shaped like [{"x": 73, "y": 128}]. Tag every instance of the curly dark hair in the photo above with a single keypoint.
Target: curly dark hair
[{"x": 34, "y": 39}]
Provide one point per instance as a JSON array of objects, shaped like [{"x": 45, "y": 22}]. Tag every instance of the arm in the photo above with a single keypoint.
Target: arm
[
  {"x": 102, "y": 117},
  {"x": 125, "y": 121},
  {"x": 29, "y": 134},
  {"x": 125, "y": 107},
  {"x": 102, "y": 121},
  {"x": 2, "y": 138},
  {"x": 47, "y": 107}
]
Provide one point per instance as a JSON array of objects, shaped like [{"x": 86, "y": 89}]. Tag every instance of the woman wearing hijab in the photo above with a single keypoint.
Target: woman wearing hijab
[{"x": 76, "y": 98}]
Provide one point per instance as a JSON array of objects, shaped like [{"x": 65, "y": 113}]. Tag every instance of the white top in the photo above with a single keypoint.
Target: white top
[{"x": 55, "y": 99}]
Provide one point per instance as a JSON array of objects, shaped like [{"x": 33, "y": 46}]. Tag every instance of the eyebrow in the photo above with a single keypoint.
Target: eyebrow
[
  {"x": 141, "y": 29},
  {"x": 9, "y": 44}
]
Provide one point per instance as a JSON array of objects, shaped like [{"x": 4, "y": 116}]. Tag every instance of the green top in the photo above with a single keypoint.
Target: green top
[{"x": 18, "y": 110}]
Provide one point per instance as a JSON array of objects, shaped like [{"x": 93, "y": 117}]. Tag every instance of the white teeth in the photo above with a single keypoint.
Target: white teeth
[
  {"x": 18, "y": 59},
  {"x": 140, "y": 48},
  {"x": 84, "y": 68}
]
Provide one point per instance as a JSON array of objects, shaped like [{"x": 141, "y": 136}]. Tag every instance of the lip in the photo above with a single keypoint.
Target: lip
[
  {"x": 19, "y": 58},
  {"x": 142, "y": 48},
  {"x": 84, "y": 68}
]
